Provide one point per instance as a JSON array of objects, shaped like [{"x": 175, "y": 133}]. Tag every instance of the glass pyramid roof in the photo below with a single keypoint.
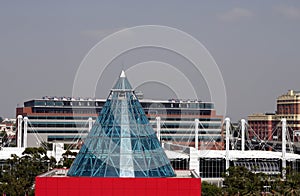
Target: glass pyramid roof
[{"x": 122, "y": 143}]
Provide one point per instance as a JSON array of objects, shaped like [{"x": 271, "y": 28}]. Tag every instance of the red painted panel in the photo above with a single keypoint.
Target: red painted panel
[{"x": 117, "y": 186}]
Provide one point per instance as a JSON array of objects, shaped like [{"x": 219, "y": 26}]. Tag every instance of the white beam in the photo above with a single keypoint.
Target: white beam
[
  {"x": 283, "y": 121},
  {"x": 90, "y": 121},
  {"x": 158, "y": 127},
  {"x": 243, "y": 123},
  {"x": 227, "y": 126},
  {"x": 25, "y": 132},
  {"x": 19, "y": 136},
  {"x": 197, "y": 134}
]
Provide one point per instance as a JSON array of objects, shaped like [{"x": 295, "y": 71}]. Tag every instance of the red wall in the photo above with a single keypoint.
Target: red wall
[{"x": 117, "y": 186}]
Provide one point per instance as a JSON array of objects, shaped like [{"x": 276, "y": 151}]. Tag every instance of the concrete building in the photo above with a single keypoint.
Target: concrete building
[
  {"x": 67, "y": 120},
  {"x": 288, "y": 106}
]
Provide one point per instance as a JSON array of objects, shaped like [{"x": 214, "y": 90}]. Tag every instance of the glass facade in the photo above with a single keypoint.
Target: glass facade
[
  {"x": 212, "y": 167},
  {"x": 121, "y": 142}
]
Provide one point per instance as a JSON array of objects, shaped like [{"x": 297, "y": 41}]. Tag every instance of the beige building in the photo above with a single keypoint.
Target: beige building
[
  {"x": 288, "y": 106},
  {"x": 266, "y": 125}
]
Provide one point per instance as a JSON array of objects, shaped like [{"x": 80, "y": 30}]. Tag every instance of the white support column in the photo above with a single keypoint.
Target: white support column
[
  {"x": 158, "y": 127},
  {"x": 227, "y": 126},
  {"x": 19, "y": 136},
  {"x": 197, "y": 134},
  {"x": 243, "y": 123},
  {"x": 194, "y": 160},
  {"x": 90, "y": 120},
  {"x": 283, "y": 121},
  {"x": 25, "y": 132}
]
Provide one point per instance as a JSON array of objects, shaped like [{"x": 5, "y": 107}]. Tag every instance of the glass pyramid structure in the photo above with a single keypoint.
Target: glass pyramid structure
[{"x": 121, "y": 143}]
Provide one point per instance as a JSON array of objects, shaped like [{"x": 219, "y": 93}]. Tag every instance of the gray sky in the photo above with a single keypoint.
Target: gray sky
[{"x": 256, "y": 45}]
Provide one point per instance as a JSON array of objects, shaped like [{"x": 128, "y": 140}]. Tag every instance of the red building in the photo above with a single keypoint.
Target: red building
[
  {"x": 263, "y": 125},
  {"x": 53, "y": 183}
]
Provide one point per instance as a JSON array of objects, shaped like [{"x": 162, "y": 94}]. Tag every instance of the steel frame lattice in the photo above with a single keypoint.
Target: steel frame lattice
[{"x": 122, "y": 143}]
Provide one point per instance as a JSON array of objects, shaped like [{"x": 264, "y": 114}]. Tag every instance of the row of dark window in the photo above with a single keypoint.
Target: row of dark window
[
  {"x": 59, "y": 117},
  {"x": 177, "y": 112},
  {"x": 66, "y": 110},
  {"x": 53, "y": 131},
  {"x": 101, "y": 103},
  {"x": 34, "y": 103},
  {"x": 215, "y": 167},
  {"x": 98, "y": 110},
  {"x": 180, "y": 164},
  {"x": 60, "y": 103},
  {"x": 178, "y": 105}
]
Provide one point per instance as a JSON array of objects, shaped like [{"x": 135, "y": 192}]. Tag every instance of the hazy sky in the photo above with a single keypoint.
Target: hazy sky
[{"x": 256, "y": 45}]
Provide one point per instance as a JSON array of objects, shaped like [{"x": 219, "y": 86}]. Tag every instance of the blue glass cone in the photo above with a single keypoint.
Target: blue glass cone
[{"x": 122, "y": 143}]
